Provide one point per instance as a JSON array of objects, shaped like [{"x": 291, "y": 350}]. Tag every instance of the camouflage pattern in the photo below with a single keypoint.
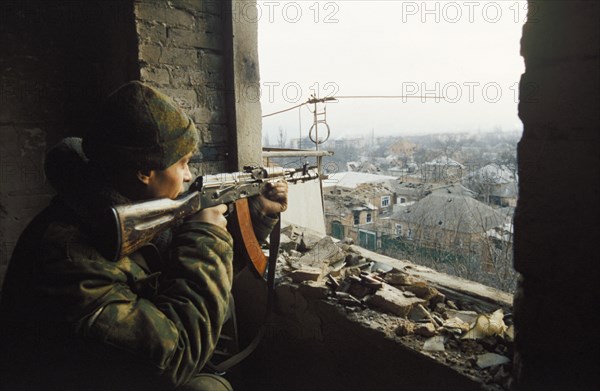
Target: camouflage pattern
[
  {"x": 141, "y": 128},
  {"x": 71, "y": 319}
]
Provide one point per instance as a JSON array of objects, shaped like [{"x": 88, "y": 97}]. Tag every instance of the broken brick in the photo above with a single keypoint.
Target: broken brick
[
  {"x": 393, "y": 300},
  {"x": 306, "y": 274}
]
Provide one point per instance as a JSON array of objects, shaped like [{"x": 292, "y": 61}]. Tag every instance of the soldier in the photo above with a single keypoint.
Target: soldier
[{"x": 72, "y": 319}]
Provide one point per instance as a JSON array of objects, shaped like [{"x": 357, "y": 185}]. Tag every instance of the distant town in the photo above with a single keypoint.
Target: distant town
[{"x": 444, "y": 201}]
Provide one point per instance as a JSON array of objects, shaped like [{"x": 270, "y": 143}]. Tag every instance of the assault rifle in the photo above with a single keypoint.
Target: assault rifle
[{"x": 133, "y": 225}]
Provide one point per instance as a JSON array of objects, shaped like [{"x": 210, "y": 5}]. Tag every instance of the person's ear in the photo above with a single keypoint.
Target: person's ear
[{"x": 145, "y": 176}]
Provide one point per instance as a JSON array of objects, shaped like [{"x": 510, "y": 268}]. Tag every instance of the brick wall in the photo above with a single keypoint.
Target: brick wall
[{"x": 182, "y": 51}]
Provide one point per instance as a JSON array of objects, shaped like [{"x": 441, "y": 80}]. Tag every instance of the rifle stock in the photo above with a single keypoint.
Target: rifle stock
[{"x": 133, "y": 225}]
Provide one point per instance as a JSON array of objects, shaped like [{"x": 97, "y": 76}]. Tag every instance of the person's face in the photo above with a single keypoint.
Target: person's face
[{"x": 168, "y": 183}]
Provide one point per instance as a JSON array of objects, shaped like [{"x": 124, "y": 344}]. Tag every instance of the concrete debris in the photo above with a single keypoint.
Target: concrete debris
[
  {"x": 307, "y": 273},
  {"x": 425, "y": 330},
  {"x": 399, "y": 278},
  {"x": 313, "y": 290},
  {"x": 510, "y": 333},
  {"x": 404, "y": 328},
  {"x": 347, "y": 299},
  {"x": 457, "y": 324},
  {"x": 434, "y": 344},
  {"x": 420, "y": 314},
  {"x": 487, "y": 360},
  {"x": 487, "y": 325},
  {"x": 425, "y": 292},
  {"x": 348, "y": 241},
  {"x": 410, "y": 308},
  {"x": 468, "y": 317},
  {"x": 324, "y": 252},
  {"x": 393, "y": 300}
]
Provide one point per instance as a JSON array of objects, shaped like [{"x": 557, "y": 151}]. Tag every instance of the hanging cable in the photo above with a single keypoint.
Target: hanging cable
[
  {"x": 283, "y": 111},
  {"x": 331, "y": 98}
]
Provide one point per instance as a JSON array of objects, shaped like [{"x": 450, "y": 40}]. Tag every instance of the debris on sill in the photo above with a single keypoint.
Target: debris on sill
[{"x": 457, "y": 332}]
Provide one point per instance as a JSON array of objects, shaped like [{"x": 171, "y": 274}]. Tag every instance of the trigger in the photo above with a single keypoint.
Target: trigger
[{"x": 230, "y": 208}]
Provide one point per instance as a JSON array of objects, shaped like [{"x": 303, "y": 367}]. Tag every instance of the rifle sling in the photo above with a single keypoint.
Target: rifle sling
[{"x": 274, "y": 240}]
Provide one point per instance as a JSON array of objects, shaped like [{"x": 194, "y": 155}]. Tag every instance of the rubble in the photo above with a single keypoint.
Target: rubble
[
  {"x": 434, "y": 344},
  {"x": 423, "y": 317}
]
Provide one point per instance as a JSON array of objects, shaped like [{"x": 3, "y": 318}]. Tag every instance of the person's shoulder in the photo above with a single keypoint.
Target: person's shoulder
[{"x": 66, "y": 239}]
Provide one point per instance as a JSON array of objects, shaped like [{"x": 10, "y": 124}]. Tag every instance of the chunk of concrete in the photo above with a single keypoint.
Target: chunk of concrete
[
  {"x": 324, "y": 252},
  {"x": 491, "y": 360},
  {"x": 405, "y": 327},
  {"x": 419, "y": 312},
  {"x": 457, "y": 324},
  {"x": 468, "y": 317},
  {"x": 399, "y": 278},
  {"x": 425, "y": 292},
  {"x": 306, "y": 274},
  {"x": 313, "y": 290},
  {"x": 434, "y": 344},
  {"x": 393, "y": 300},
  {"x": 425, "y": 329}
]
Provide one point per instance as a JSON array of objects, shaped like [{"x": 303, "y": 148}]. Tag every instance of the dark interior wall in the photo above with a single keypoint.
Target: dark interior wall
[
  {"x": 58, "y": 60},
  {"x": 558, "y": 214}
]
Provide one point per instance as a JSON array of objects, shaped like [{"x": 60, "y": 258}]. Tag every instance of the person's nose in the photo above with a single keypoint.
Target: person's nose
[{"x": 187, "y": 175}]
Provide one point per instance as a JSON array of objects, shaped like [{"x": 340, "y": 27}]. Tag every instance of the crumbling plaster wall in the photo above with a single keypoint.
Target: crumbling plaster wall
[{"x": 556, "y": 221}]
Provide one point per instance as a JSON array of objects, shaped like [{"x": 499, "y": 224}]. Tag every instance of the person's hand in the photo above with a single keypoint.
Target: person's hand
[
  {"x": 213, "y": 215},
  {"x": 274, "y": 198}
]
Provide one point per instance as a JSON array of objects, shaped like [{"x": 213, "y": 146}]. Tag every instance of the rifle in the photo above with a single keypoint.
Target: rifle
[{"x": 133, "y": 225}]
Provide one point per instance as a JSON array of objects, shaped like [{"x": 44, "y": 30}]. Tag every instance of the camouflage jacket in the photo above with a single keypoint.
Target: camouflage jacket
[{"x": 71, "y": 319}]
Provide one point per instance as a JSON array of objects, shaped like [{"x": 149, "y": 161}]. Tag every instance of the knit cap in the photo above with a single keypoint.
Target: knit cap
[{"x": 139, "y": 127}]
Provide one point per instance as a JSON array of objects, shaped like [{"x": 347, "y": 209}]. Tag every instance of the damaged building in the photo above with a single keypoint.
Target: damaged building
[{"x": 344, "y": 317}]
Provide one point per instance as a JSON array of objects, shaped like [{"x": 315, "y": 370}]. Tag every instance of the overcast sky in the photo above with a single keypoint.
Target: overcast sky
[{"x": 465, "y": 51}]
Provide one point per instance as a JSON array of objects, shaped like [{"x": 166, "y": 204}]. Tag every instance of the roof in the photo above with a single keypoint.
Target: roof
[
  {"x": 351, "y": 179},
  {"x": 443, "y": 161},
  {"x": 454, "y": 188},
  {"x": 506, "y": 190},
  {"x": 494, "y": 174},
  {"x": 452, "y": 212}
]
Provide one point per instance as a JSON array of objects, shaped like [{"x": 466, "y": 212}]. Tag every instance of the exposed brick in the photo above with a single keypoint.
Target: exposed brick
[
  {"x": 215, "y": 134},
  {"x": 187, "y": 77},
  {"x": 150, "y": 53},
  {"x": 199, "y": 7},
  {"x": 186, "y": 38},
  {"x": 186, "y": 99},
  {"x": 155, "y": 75},
  {"x": 149, "y": 11},
  {"x": 200, "y": 114},
  {"x": 151, "y": 32},
  {"x": 170, "y": 16},
  {"x": 176, "y": 56}
]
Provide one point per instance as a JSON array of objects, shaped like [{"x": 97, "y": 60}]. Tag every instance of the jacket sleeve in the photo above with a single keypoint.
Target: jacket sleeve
[
  {"x": 263, "y": 224},
  {"x": 172, "y": 331}
]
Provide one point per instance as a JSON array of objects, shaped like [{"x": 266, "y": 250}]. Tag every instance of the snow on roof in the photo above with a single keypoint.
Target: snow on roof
[
  {"x": 443, "y": 161},
  {"x": 493, "y": 173},
  {"x": 351, "y": 179}
]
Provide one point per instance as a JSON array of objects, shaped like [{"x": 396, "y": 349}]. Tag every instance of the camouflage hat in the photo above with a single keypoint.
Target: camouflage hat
[{"x": 139, "y": 127}]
